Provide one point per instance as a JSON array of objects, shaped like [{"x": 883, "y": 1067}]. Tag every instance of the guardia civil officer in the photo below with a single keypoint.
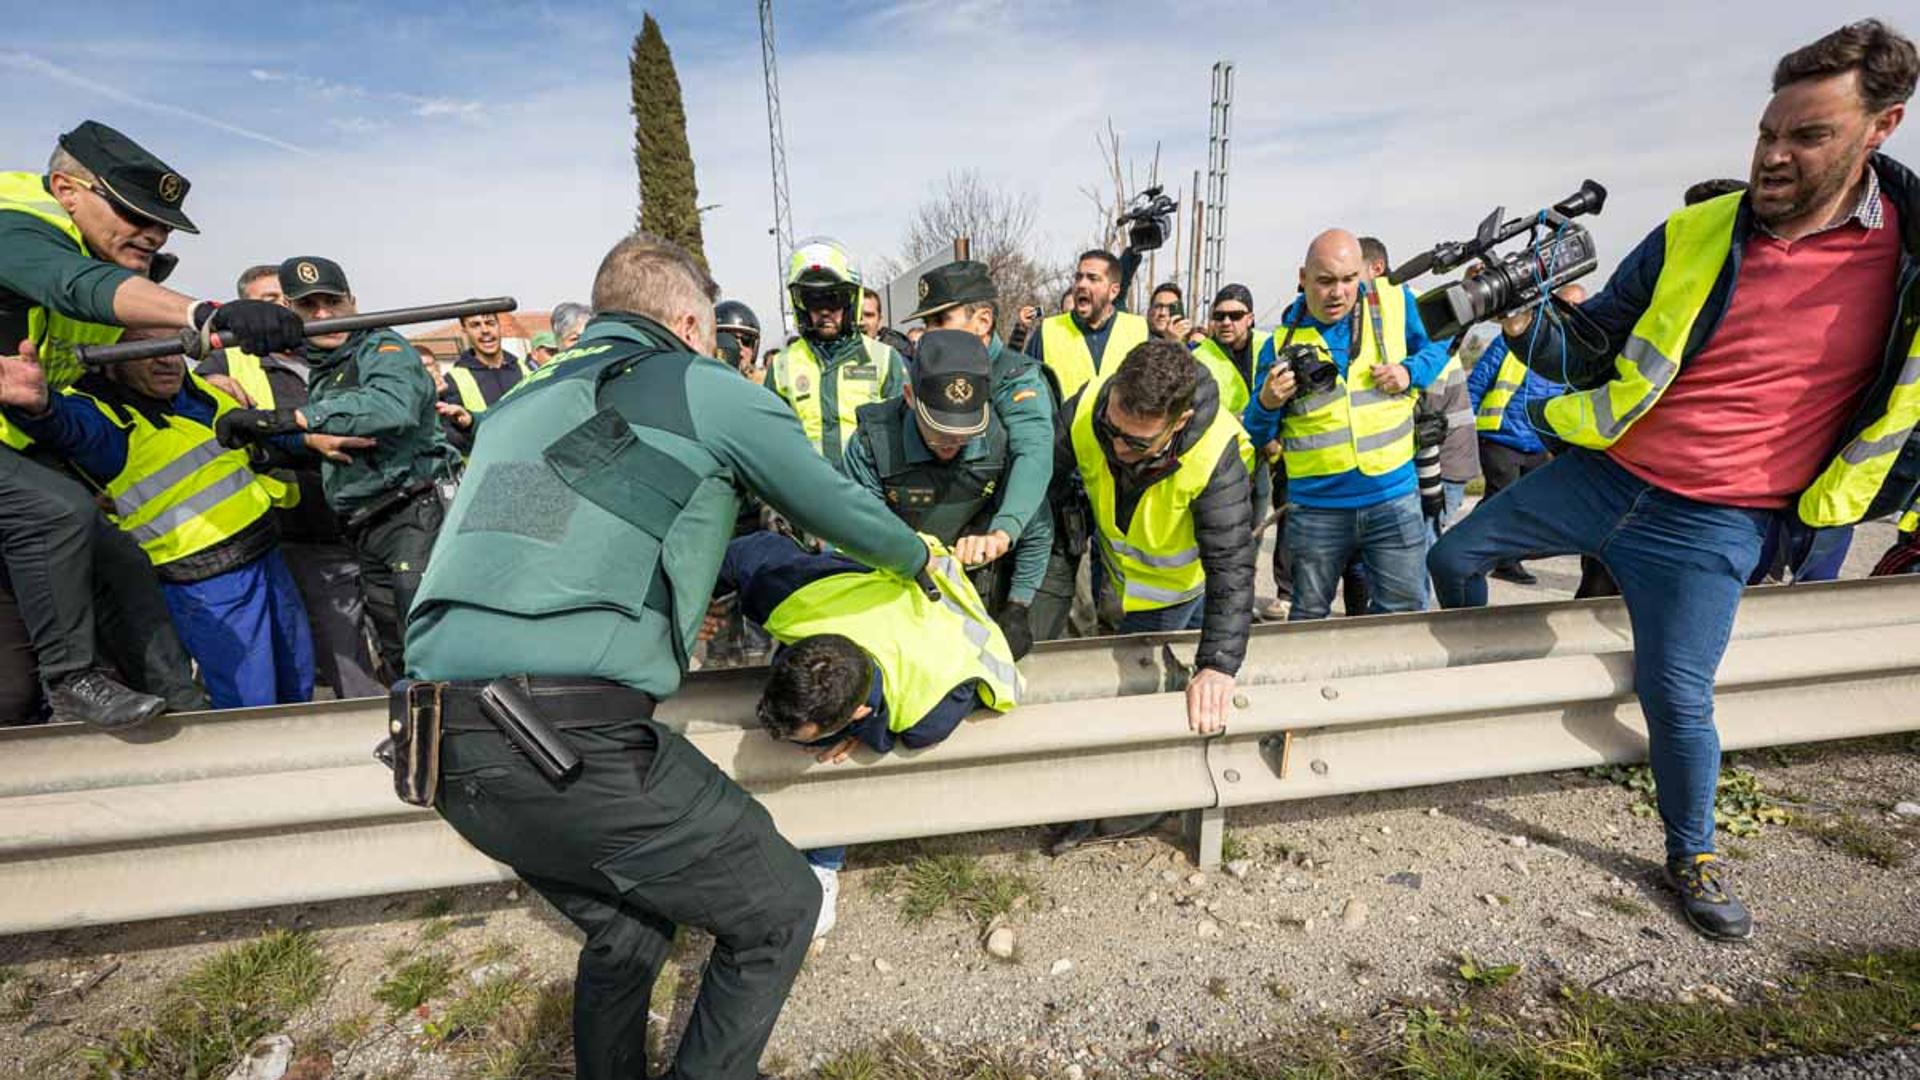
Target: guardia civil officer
[
  {"x": 941, "y": 458},
  {"x": 80, "y": 261},
  {"x": 832, "y": 368},
  {"x": 368, "y": 383},
  {"x": 571, "y": 582}
]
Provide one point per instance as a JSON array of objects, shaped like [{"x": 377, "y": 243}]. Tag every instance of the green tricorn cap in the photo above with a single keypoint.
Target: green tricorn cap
[{"x": 129, "y": 177}]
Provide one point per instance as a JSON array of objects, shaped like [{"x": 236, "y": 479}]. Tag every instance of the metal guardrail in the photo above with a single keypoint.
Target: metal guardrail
[{"x": 249, "y": 808}]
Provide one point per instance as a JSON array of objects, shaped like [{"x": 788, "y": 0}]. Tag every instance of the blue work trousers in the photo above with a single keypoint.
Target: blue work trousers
[
  {"x": 247, "y": 630},
  {"x": 1391, "y": 539},
  {"x": 1680, "y": 564}
]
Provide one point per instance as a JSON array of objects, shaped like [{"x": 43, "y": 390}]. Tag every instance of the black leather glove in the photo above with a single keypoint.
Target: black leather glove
[
  {"x": 1018, "y": 626},
  {"x": 1433, "y": 504},
  {"x": 258, "y": 326},
  {"x": 239, "y": 427}
]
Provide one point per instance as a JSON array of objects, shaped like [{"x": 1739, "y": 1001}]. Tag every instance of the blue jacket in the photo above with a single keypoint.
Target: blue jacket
[
  {"x": 765, "y": 568},
  {"x": 1607, "y": 319},
  {"x": 1353, "y": 488},
  {"x": 1516, "y": 427}
]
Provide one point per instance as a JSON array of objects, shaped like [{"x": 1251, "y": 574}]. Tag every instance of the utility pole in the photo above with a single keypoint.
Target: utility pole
[
  {"x": 782, "y": 230},
  {"x": 1216, "y": 204}
]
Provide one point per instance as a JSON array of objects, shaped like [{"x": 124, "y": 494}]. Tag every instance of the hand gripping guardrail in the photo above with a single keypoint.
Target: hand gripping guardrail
[{"x": 255, "y": 807}]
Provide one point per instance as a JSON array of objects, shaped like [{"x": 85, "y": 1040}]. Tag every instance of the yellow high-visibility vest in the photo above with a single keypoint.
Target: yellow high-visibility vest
[
  {"x": 1155, "y": 561},
  {"x": 1063, "y": 349},
  {"x": 1698, "y": 240},
  {"x": 180, "y": 491},
  {"x": 246, "y": 369},
  {"x": 923, "y": 647},
  {"x": 1354, "y": 424},
  {"x": 1506, "y": 383},
  {"x": 54, "y": 335},
  {"x": 1234, "y": 391},
  {"x": 797, "y": 378},
  {"x": 468, "y": 387}
]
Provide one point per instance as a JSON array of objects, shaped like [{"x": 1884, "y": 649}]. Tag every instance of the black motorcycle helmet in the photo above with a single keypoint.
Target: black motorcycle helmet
[{"x": 736, "y": 318}]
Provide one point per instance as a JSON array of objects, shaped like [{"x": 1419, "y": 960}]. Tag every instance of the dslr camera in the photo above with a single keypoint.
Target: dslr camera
[
  {"x": 1313, "y": 370},
  {"x": 1147, "y": 219},
  {"x": 1557, "y": 252}
]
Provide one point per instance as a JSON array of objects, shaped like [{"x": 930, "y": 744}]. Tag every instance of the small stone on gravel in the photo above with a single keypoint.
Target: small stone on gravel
[
  {"x": 1354, "y": 914},
  {"x": 1907, "y": 809},
  {"x": 1238, "y": 869},
  {"x": 1209, "y": 929},
  {"x": 882, "y": 966},
  {"x": 1000, "y": 942},
  {"x": 1197, "y": 879},
  {"x": 267, "y": 1060},
  {"x": 1060, "y": 967},
  {"x": 1517, "y": 841},
  {"x": 1406, "y": 878}
]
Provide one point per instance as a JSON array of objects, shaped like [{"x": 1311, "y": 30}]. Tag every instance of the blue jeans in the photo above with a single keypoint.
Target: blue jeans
[
  {"x": 248, "y": 631},
  {"x": 1680, "y": 565},
  {"x": 1391, "y": 538},
  {"x": 827, "y": 858},
  {"x": 1456, "y": 496},
  {"x": 1185, "y": 616}
]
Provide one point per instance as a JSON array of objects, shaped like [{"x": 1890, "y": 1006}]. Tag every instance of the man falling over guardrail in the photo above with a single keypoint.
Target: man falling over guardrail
[{"x": 865, "y": 657}]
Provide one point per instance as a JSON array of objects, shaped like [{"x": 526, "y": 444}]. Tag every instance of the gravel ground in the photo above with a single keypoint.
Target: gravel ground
[
  {"x": 1894, "y": 1063},
  {"x": 1129, "y": 957}
]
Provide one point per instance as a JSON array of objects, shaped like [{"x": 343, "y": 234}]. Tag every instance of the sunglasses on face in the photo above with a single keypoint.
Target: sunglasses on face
[
  {"x": 1162, "y": 307},
  {"x": 1135, "y": 443},
  {"x": 1230, "y": 316},
  {"x": 122, "y": 212}
]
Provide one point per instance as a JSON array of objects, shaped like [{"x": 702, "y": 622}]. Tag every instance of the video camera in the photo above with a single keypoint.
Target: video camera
[
  {"x": 1148, "y": 218},
  {"x": 1565, "y": 253}
]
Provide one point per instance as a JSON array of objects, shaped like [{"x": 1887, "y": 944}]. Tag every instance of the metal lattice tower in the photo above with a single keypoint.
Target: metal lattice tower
[
  {"x": 1214, "y": 245},
  {"x": 777, "y": 143}
]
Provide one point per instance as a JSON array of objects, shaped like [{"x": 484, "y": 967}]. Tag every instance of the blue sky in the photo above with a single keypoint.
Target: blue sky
[{"x": 474, "y": 149}]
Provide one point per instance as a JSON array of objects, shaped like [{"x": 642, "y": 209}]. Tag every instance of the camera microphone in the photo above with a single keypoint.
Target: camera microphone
[{"x": 1412, "y": 268}]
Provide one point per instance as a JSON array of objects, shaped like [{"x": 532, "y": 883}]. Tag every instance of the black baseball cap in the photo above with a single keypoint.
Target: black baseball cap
[
  {"x": 304, "y": 275},
  {"x": 961, "y": 282},
  {"x": 1234, "y": 291},
  {"x": 129, "y": 176},
  {"x": 952, "y": 379}
]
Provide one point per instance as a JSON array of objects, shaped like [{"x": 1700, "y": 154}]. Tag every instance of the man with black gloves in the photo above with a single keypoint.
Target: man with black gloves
[
  {"x": 80, "y": 261},
  {"x": 941, "y": 459},
  {"x": 1167, "y": 475},
  {"x": 369, "y": 383},
  {"x": 1753, "y": 362}
]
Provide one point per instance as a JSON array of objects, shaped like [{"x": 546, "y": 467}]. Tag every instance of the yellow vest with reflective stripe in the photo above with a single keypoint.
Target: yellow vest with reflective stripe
[
  {"x": 468, "y": 387},
  {"x": 1155, "y": 563},
  {"x": 796, "y": 378},
  {"x": 1506, "y": 383},
  {"x": 1698, "y": 240},
  {"x": 53, "y": 334},
  {"x": 1234, "y": 391},
  {"x": 1064, "y": 350},
  {"x": 923, "y": 647},
  {"x": 180, "y": 491},
  {"x": 246, "y": 369},
  {"x": 1354, "y": 424}
]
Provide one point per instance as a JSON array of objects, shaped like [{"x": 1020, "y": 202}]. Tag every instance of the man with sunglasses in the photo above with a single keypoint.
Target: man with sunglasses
[
  {"x": 1166, "y": 469},
  {"x": 80, "y": 261},
  {"x": 832, "y": 368}
]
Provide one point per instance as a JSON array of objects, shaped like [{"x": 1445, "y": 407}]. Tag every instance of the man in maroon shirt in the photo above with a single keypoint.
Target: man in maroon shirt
[{"x": 1754, "y": 360}]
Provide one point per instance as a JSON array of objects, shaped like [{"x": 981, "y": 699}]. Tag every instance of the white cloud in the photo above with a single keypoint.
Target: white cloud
[{"x": 40, "y": 67}]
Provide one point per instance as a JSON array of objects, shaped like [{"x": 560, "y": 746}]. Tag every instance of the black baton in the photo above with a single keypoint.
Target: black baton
[{"x": 188, "y": 341}]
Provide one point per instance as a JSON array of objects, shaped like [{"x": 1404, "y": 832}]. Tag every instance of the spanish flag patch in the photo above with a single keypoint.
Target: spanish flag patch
[
  {"x": 388, "y": 348},
  {"x": 1023, "y": 395}
]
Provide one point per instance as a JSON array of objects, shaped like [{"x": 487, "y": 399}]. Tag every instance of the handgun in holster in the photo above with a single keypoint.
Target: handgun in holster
[{"x": 512, "y": 710}]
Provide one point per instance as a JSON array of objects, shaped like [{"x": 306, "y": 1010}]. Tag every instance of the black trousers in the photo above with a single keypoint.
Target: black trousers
[
  {"x": 392, "y": 552},
  {"x": 19, "y": 679},
  {"x": 629, "y": 848},
  {"x": 85, "y": 590},
  {"x": 329, "y": 579}
]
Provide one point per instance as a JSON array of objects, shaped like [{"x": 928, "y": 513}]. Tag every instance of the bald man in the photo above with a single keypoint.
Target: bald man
[{"x": 1345, "y": 425}]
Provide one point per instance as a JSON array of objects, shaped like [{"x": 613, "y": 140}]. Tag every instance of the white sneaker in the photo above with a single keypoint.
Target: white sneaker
[{"x": 829, "y": 901}]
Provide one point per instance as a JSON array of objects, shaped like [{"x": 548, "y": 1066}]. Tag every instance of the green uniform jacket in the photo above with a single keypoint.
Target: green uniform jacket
[
  {"x": 756, "y": 440},
  {"x": 1025, "y": 406},
  {"x": 374, "y": 384},
  {"x": 1030, "y": 549},
  {"x": 41, "y": 267}
]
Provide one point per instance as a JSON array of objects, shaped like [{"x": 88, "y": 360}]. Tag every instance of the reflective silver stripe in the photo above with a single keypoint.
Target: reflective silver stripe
[
  {"x": 1859, "y": 452},
  {"x": 1460, "y": 419},
  {"x": 1381, "y": 439},
  {"x": 240, "y": 479},
  {"x": 1375, "y": 397},
  {"x": 1294, "y": 444},
  {"x": 979, "y": 634},
  {"x": 1167, "y": 597},
  {"x": 1317, "y": 402},
  {"x": 1654, "y": 367},
  {"x": 131, "y": 500},
  {"x": 1166, "y": 562},
  {"x": 1909, "y": 372}
]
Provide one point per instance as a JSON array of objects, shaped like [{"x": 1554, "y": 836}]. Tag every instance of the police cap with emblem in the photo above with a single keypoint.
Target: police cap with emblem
[
  {"x": 129, "y": 177},
  {"x": 304, "y": 275},
  {"x": 952, "y": 382},
  {"x": 962, "y": 282}
]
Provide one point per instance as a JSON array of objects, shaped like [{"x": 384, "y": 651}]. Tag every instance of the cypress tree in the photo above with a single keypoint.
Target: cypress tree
[{"x": 669, "y": 198}]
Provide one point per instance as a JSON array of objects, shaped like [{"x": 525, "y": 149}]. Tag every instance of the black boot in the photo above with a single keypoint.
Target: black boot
[
  {"x": 1708, "y": 900},
  {"x": 90, "y": 697},
  {"x": 1515, "y": 573}
]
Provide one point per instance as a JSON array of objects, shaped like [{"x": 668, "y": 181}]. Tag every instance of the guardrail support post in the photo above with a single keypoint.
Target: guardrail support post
[{"x": 1205, "y": 831}]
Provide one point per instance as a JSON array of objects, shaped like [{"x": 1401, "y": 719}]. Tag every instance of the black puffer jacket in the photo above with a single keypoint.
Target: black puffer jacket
[{"x": 1223, "y": 523}]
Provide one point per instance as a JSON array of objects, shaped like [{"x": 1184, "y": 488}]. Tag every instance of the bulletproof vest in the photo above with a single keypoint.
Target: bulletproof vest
[
  {"x": 940, "y": 498},
  {"x": 568, "y": 507}
]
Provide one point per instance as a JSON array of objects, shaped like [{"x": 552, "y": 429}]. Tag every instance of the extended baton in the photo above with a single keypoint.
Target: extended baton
[{"x": 188, "y": 341}]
